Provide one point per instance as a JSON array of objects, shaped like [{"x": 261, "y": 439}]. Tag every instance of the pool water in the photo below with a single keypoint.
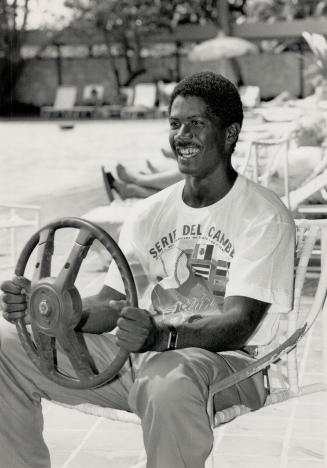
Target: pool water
[{"x": 38, "y": 158}]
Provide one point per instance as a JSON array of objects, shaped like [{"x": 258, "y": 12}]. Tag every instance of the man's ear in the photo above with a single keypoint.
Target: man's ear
[{"x": 232, "y": 133}]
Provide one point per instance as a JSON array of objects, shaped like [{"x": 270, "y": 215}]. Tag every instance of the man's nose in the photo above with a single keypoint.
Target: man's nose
[{"x": 184, "y": 131}]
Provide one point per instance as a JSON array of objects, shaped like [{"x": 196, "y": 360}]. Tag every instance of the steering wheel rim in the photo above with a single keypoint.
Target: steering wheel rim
[{"x": 51, "y": 296}]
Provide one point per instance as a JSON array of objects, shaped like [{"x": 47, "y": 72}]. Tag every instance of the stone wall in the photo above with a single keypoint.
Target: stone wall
[{"x": 273, "y": 73}]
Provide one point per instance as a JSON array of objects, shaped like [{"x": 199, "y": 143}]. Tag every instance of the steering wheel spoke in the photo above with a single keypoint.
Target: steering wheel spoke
[
  {"x": 46, "y": 348},
  {"x": 56, "y": 306},
  {"x": 44, "y": 255},
  {"x": 67, "y": 276},
  {"x": 76, "y": 350}
]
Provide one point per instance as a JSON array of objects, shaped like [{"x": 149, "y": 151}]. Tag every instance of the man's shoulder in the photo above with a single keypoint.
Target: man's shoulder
[
  {"x": 263, "y": 203},
  {"x": 161, "y": 201}
]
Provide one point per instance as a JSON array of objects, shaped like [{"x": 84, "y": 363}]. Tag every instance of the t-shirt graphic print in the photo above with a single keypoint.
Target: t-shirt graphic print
[{"x": 192, "y": 275}]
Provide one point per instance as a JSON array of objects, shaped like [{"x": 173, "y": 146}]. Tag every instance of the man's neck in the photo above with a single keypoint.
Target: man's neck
[{"x": 201, "y": 192}]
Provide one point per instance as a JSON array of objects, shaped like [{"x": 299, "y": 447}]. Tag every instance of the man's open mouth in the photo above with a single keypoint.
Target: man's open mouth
[{"x": 187, "y": 152}]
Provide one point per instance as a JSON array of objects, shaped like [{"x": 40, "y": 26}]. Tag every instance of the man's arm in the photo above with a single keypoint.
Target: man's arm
[
  {"x": 139, "y": 332},
  {"x": 227, "y": 331},
  {"x": 98, "y": 316}
]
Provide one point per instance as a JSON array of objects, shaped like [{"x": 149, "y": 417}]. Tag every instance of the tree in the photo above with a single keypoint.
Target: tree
[
  {"x": 13, "y": 21},
  {"x": 125, "y": 24}
]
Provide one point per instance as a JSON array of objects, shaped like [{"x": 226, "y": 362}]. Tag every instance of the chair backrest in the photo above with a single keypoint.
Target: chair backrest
[
  {"x": 250, "y": 96},
  {"x": 128, "y": 94},
  {"x": 65, "y": 97},
  {"x": 93, "y": 94},
  {"x": 306, "y": 190},
  {"x": 15, "y": 219},
  {"x": 145, "y": 94},
  {"x": 299, "y": 321},
  {"x": 164, "y": 91},
  {"x": 311, "y": 239},
  {"x": 311, "y": 243},
  {"x": 262, "y": 160}
]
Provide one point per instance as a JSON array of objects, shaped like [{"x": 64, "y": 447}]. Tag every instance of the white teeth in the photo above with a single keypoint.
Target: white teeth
[{"x": 188, "y": 151}]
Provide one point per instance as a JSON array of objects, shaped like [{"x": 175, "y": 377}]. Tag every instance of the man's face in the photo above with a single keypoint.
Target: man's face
[{"x": 196, "y": 138}]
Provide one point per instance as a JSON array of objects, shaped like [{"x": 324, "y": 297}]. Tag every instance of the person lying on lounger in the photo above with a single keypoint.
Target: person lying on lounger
[
  {"x": 132, "y": 184},
  {"x": 212, "y": 256}
]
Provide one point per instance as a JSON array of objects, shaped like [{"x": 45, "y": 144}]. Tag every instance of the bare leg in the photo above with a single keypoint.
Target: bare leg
[
  {"x": 151, "y": 167},
  {"x": 157, "y": 181},
  {"x": 132, "y": 190},
  {"x": 125, "y": 174},
  {"x": 167, "y": 153}
]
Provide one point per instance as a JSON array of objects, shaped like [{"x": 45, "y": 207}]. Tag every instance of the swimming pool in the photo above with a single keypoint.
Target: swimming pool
[{"x": 38, "y": 158}]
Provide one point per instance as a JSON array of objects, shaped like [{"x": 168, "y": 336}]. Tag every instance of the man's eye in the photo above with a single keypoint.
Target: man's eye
[
  {"x": 173, "y": 124},
  {"x": 198, "y": 123}
]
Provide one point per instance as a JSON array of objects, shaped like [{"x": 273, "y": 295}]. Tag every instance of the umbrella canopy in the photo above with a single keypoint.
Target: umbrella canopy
[{"x": 222, "y": 47}]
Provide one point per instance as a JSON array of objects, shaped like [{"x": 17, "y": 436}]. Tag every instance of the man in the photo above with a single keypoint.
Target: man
[{"x": 212, "y": 257}]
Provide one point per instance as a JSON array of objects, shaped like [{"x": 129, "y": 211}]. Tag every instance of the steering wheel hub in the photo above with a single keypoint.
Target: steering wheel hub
[{"x": 46, "y": 307}]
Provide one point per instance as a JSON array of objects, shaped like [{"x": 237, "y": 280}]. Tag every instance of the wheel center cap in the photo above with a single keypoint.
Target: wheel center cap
[{"x": 44, "y": 308}]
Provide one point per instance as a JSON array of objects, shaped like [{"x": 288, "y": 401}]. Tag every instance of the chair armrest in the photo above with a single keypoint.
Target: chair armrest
[{"x": 253, "y": 368}]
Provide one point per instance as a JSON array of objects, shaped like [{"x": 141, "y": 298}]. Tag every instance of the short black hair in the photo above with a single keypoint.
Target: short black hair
[{"x": 220, "y": 95}]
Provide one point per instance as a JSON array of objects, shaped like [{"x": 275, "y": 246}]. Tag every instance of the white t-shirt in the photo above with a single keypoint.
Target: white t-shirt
[{"x": 185, "y": 260}]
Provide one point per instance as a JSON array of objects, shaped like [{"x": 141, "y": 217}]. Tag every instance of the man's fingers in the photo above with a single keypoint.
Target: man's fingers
[
  {"x": 13, "y": 316},
  {"x": 124, "y": 341},
  {"x": 10, "y": 287},
  {"x": 12, "y": 308},
  {"x": 13, "y": 298},
  {"x": 22, "y": 282},
  {"x": 15, "y": 285},
  {"x": 135, "y": 314},
  {"x": 131, "y": 326}
]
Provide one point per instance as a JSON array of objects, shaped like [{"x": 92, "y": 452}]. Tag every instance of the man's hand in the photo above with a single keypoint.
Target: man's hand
[
  {"x": 137, "y": 331},
  {"x": 15, "y": 298}
]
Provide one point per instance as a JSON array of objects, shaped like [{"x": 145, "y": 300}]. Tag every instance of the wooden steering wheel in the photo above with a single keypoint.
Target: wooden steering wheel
[{"x": 56, "y": 307}]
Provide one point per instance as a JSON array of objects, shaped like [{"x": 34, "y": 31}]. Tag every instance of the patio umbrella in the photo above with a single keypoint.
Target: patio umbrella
[{"x": 223, "y": 47}]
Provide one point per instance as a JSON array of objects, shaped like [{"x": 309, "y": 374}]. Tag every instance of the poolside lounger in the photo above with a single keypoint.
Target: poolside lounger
[
  {"x": 145, "y": 95},
  {"x": 63, "y": 104},
  {"x": 92, "y": 101},
  {"x": 315, "y": 183},
  {"x": 114, "y": 110}
]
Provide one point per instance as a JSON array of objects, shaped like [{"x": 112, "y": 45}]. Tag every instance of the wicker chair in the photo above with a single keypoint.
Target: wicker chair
[
  {"x": 280, "y": 358},
  {"x": 14, "y": 218}
]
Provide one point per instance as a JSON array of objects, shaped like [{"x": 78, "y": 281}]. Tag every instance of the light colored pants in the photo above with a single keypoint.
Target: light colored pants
[{"x": 169, "y": 394}]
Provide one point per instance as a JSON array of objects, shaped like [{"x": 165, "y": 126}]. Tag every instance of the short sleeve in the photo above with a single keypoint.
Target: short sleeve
[{"x": 263, "y": 265}]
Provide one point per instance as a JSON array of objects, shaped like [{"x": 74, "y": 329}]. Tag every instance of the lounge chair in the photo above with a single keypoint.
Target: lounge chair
[
  {"x": 300, "y": 195},
  {"x": 93, "y": 94},
  {"x": 164, "y": 92},
  {"x": 250, "y": 96},
  {"x": 63, "y": 104},
  {"x": 145, "y": 96},
  {"x": 263, "y": 158},
  {"x": 314, "y": 184},
  {"x": 114, "y": 110},
  {"x": 92, "y": 101}
]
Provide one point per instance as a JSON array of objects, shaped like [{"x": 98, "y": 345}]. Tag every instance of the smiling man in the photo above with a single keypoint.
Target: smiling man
[{"x": 212, "y": 257}]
